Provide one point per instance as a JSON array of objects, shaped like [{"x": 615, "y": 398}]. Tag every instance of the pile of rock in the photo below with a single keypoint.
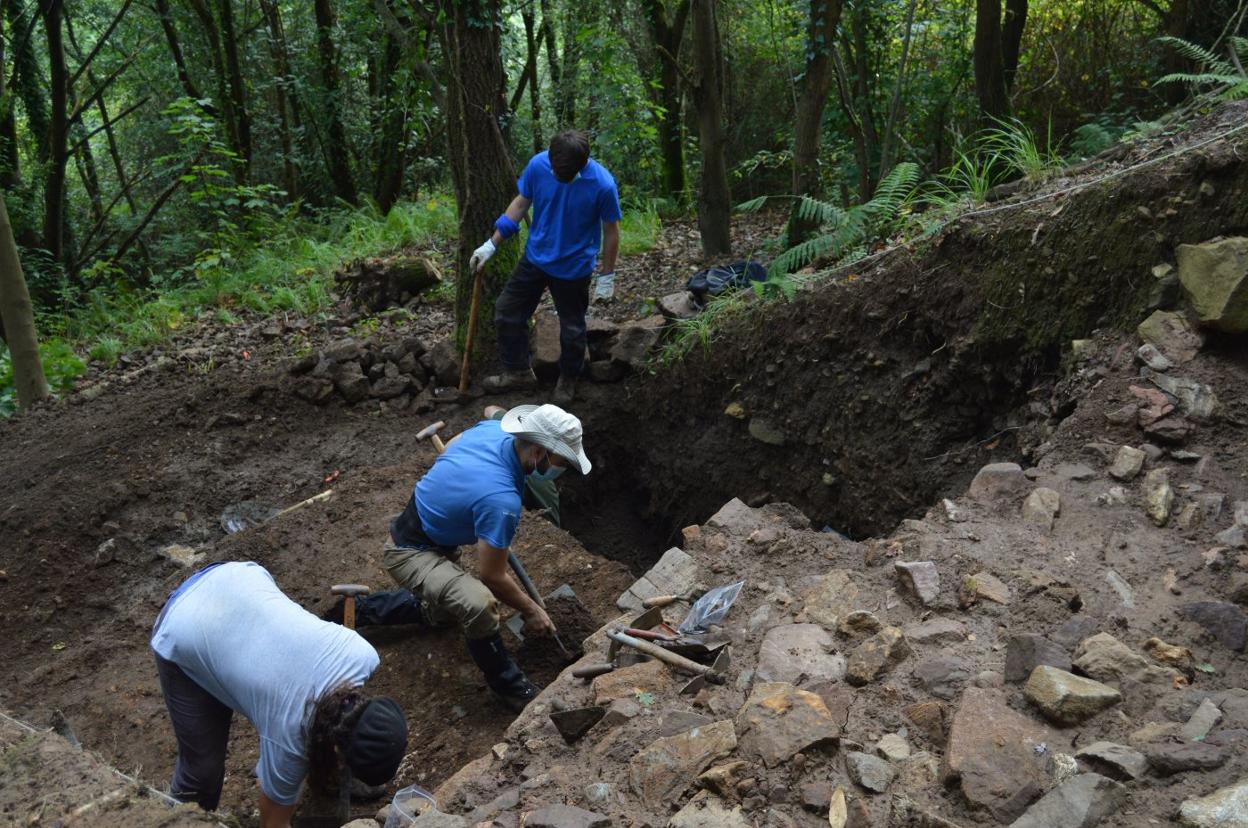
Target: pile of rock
[{"x": 400, "y": 372}]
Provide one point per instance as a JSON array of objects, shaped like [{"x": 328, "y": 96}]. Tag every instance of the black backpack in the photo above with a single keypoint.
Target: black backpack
[{"x": 713, "y": 281}]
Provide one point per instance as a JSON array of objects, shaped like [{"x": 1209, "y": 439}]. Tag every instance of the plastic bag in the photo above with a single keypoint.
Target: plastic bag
[
  {"x": 409, "y": 803},
  {"x": 711, "y": 608}
]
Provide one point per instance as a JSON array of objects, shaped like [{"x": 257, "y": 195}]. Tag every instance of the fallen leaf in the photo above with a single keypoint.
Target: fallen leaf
[
  {"x": 58, "y": 646},
  {"x": 838, "y": 811}
]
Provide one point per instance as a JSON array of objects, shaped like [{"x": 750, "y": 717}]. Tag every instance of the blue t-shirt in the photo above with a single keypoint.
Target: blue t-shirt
[
  {"x": 566, "y": 230},
  {"x": 473, "y": 489},
  {"x": 235, "y": 634}
]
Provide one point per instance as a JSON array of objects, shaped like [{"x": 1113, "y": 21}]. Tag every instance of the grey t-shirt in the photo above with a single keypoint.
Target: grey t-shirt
[{"x": 261, "y": 654}]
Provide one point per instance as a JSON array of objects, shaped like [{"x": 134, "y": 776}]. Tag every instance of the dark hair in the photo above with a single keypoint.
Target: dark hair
[
  {"x": 569, "y": 151},
  {"x": 334, "y": 716}
]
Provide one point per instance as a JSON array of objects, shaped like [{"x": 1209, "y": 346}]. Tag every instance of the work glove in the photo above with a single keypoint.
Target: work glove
[
  {"x": 481, "y": 255},
  {"x": 604, "y": 287}
]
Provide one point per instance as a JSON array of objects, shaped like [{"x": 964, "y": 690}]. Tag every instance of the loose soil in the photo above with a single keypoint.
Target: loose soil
[{"x": 890, "y": 386}]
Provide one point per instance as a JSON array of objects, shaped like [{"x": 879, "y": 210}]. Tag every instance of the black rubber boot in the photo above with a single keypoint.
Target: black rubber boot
[{"x": 502, "y": 674}]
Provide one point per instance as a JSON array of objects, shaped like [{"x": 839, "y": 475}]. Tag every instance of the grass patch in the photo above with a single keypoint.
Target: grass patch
[{"x": 639, "y": 230}]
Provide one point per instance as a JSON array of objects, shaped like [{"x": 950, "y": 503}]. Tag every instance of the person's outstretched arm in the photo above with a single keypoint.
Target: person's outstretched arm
[{"x": 513, "y": 214}]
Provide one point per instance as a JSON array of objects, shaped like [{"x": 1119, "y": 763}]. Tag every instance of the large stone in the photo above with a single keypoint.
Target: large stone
[
  {"x": 1201, "y": 722},
  {"x": 799, "y": 652},
  {"x": 1158, "y": 496},
  {"x": 444, "y": 362},
  {"x": 1171, "y": 334},
  {"x": 936, "y": 631},
  {"x": 573, "y": 724},
  {"x": 1214, "y": 276},
  {"x": 921, "y": 578},
  {"x": 998, "y": 481},
  {"x": 653, "y": 677},
  {"x": 1114, "y": 760},
  {"x": 778, "y": 720},
  {"x": 1169, "y": 758},
  {"x": 873, "y": 656},
  {"x": 1195, "y": 399},
  {"x": 679, "y": 305},
  {"x": 871, "y": 772},
  {"x": 1041, "y": 508},
  {"x": 437, "y": 819},
  {"x": 1065, "y": 698},
  {"x": 708, "y": 812},
  {"x": 1224, "y": 621},
  {"x": 634, "y": 341},
  {"x": 1079, "y": 802},
  {"x": 565, "y": 816},
  {"x": 1105, "y": 658},
  {"x": 1128, "y": 463},
  {"x": 986, "y": 586},
  {"x": 1224, "y": 808},
  {"x": 834, "y": 596},
  {"x": 667, "y": 766},
  {"x": 350, "y": 381},
  {"x": 893, "y": 747},
  {"x": 941, "y": 676},
  {"x": 992, "y": 754},
  {"x": 674, "y": 574},
  {"x": 545, "y": 345},
  {"x": 735, "y": 518},
  {"x": 766, "y": 430},
  {"x": 1027, "y": 651}
]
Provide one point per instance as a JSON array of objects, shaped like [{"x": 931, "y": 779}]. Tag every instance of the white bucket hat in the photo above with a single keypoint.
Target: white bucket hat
[{"x": 550, "y": 427}]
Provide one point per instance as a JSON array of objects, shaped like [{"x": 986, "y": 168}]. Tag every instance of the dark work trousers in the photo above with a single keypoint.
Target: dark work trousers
[
  {"x": 515, "y": 307},
  {"x": 399, "y": 606},
  {"x": 202, "y": 727}
]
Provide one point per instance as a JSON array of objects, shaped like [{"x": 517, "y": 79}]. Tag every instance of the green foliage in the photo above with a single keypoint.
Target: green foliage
[
  {"x": 1019, "y": 149},
  {"x": 1229, "y": 82},
  {"x": 1090, "y": 139},
  {"x": 967, "y": 180},
  {"x": 61, "y": 366},
  {"x": 843, "y": 232},
  {"x": 639, "y": 229}
]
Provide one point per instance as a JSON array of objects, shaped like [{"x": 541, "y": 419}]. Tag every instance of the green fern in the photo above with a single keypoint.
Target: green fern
[
  {"x": 1229, "y": 82},
  {"x": 844, "y": 230}
]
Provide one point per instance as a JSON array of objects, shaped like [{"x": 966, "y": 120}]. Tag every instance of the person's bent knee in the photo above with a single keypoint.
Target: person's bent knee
[{"x": 477, "y": 608}]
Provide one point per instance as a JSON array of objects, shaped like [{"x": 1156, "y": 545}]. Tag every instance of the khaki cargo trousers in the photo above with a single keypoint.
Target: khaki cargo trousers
[{"x": 448, "y": 595}]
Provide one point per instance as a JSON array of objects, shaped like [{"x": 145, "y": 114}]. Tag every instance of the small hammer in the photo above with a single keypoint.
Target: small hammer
[
  {"x": 349, "y": 592},
  {"x": 431, "y": 432}
]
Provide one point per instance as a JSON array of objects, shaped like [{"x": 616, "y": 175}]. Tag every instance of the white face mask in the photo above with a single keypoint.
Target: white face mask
[{"x": 552, "y": 471}]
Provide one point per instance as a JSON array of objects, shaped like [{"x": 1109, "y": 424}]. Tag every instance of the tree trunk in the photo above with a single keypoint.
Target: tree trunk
[
  {"x": 714, "y": 198},
  {"x": 334, "y": 144},
  {"x": 287, "y": 112},
  {"x": 228, "y": 113},
  {"x": 533, "y": 44},
  {"x": 10, "y": 165},
  {"x": 1012, "y": 39},
  {"x": 895, "y": 106},
  {"x": 667, "y": 33},
  {"x": 17, "y": 314},
  {"x": 568, "y": 73},
  {"x": 234, "y": 76},
  {"x": 989, "y": 61},
  {"x": 27, "y": 76},
  {"x": 552, "y": 58},
  {"x": 480, "y": 162},
  {"x": 58, "y": 133},
  {"x": 825, "y": 16},
  {"x": 392, "y": 145}
]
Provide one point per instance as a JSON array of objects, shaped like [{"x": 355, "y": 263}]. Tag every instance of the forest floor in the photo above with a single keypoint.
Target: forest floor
[{"x": 864, "y": 404}]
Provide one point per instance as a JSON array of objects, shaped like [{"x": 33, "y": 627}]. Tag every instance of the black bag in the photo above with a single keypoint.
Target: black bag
[{"x": 713, "y": 281}]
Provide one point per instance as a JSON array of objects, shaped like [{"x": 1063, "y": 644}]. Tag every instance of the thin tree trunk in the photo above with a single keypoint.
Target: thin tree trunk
[
  {"x": 209, "y": 24},
  {"x": 234, "y": 77},
  {"x": 10, "y": 164},
  {"x": 825, "y": 16},
  {"x": 392, "y": 131},
  {"x": 480, "y": 162},
  {"x": 175, "y": 50},
  {"x": 287, "y": 112},
  {"x": 1012, "y": 39},
  {"x": 714, "y": 197},
  {"x": 17, "y": 315},
  {"x": 54, "y": 192},
  {"x": 568, "y": 74},
  {"x": 894, "y": 109},
  {"x": 334, "y": 144},
  {"x": 667, "y": 33},
  {"x": 27, "y": 76},
  {"x": 989, "y": 64},
  {"x": 530, "y": 67}
]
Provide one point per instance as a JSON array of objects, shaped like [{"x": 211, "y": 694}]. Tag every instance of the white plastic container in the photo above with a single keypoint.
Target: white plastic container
[{"x": 409, "y": 803}]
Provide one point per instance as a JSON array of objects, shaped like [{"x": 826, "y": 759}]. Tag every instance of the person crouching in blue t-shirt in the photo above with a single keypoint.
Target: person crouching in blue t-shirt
[
  {"x": 471, "y": 495},
  {"x": 576, "y": 206}
]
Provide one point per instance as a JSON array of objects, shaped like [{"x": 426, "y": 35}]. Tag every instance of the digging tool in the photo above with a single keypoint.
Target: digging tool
[
  {"x": 349, "y": 592},
  {"x": 668, "y": 600},
  {"x": 430, "y": 432},
  {"x": 472, "y": 331},
  {"x": 515, "y": 623},
  {"x": 590, "y": 671},
  {"x": 677, "y": 662},
  {"x": 718, "y": 668}
]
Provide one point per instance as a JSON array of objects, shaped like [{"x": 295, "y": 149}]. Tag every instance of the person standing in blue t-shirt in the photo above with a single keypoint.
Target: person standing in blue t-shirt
[{"x": 576, "y": 208}]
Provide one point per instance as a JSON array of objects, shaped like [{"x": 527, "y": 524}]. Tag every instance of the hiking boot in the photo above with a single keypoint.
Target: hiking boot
[
  {"x": 522, "y": 380},
  {"x": 504, "y": 677},
  {"x": 565, "y": 390}
]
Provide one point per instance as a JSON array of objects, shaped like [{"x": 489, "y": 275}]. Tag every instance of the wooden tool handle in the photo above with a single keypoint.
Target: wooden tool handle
[
  {"x": 659, "y": 601},
  {"x": 592, "y": 670},
  {"x": 678, "y": 662},
  {"x": 472, "y": 331}
]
